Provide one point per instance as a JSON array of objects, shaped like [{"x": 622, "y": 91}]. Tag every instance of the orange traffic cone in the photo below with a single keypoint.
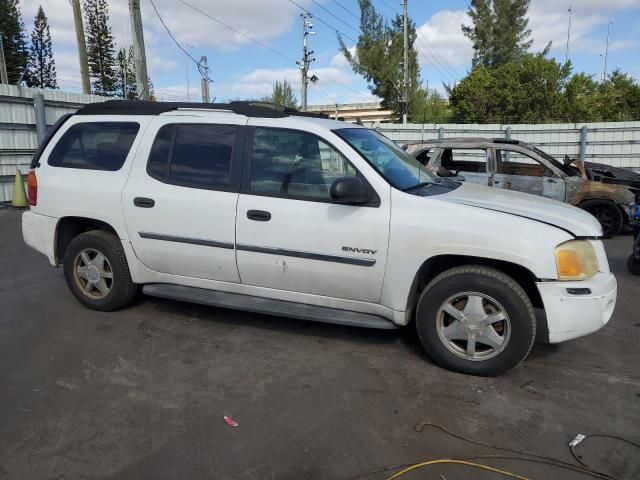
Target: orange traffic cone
[{"x": 19, "y": 198}]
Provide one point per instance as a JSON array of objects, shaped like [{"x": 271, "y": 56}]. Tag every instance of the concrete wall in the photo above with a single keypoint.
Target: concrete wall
[
  {"x": 18, "y": 137},
  {"x": 616, "y": 143}
]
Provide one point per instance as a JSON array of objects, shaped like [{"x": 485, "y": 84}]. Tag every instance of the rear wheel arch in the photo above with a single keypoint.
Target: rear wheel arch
[{"x": 69, "y": 228}]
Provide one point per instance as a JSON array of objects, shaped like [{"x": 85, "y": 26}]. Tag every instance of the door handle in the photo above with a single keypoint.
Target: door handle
[
  {"x": 144, "y": 202},
  {"x": 258, "y": 215}
]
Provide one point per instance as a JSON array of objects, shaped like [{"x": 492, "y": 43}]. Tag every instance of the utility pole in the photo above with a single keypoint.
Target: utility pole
[
  {"x": 606, "y": 52},
  {"x": 405, "y": 65},
  {"x": 4, "y": 78},
  {"x": 306, "y": 59},
  {"x": 142, "y": 79},
  {"x": 186, "y": 70},
  {"x": 204, "y": 82},
  {"x": 82, "y": 47},
  {"x": 566, "y": 52}
]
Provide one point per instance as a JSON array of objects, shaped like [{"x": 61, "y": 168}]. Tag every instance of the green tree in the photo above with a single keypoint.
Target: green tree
[
  {"x": 582, "y": 99},
  {"x": 100, "y": 48},
  {"x": 481, "y": 31},
  {"x": 529, "y": 91},
  {"x": 620, "y": 98},
  {"x": 41, "y": 67},
  {"x": 499, "y": 31},
  {"x": 379, "y": 56},
  {"x": 282, "y": 95},
  {"x": 126, "y": 86},
  {"x": 13, "y": 40}
]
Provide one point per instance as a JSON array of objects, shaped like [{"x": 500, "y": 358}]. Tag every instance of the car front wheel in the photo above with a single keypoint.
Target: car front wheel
[{"x": 476, "y": 320}]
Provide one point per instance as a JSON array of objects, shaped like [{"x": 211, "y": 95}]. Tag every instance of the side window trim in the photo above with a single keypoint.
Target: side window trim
[
  {"x": 236, "y": 158},
  {"x": 245, "y": 184}
]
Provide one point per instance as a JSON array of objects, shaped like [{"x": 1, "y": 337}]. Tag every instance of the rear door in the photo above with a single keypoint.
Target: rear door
[
  {"x": 523, "y": 173},
  {"x": 180, "y": 200},
  {"x": 465, "y": 164}
]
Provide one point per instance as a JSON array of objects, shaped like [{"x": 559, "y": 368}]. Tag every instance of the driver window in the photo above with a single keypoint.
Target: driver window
[
  {"x": 464, "y": 160},
  {"x": 293, "y": 163},
  {"x": 515, "y": 163}
]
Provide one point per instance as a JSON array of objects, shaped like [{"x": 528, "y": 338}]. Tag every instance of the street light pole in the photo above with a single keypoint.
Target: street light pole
[{"x": 566, "y": 53}]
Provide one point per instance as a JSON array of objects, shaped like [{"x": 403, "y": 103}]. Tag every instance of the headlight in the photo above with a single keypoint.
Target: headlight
[{"x": 576, "y": 260}]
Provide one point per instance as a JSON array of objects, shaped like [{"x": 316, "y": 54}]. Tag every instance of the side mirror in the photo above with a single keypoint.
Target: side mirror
[{"x": 350, "y": 191}]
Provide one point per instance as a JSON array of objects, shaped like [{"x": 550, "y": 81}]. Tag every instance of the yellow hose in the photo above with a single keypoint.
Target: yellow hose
[{"x": 458, "y": 462}]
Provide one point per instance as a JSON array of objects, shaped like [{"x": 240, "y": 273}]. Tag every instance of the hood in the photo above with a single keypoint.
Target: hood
[
  {"x": 566, "y": 217},
  {"x": 599, "y": 171}
]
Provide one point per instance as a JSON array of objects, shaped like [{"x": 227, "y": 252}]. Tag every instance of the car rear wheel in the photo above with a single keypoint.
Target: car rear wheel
[
  {"x": 607, "y": 213},
  {"x": 476, "y": 320},
  {"x": 96, "y": 271}
]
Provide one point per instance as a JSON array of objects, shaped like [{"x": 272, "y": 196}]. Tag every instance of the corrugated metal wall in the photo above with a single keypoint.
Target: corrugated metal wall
[
  {"x": 18, "y": 139},
  {"x": 616, "y": 143}
]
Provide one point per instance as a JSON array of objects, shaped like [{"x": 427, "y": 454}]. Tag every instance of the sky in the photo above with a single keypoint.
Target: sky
[{"x": 265, "y": 40}]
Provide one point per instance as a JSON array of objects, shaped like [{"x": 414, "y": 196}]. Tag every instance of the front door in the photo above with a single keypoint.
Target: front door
[
  {"x": 180, "y": 199},
  {"x": 523, "y": 173},
  {"x": 291, "y": 236}
]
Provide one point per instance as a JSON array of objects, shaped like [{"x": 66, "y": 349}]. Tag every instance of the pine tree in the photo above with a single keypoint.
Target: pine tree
[
  {"x": 13, "y": 40},
  {"x": 510, "y": 32},
  {"x": 379, "y": 56},
  {"x": 100, "y": 48},
  {"x": 481, "y": 32},
  {"x": 41, "y": 68},
  {"x": 499, "y": 31},
  {"x": 282, "y": 95},
  {"x": 126, "y": 73}
]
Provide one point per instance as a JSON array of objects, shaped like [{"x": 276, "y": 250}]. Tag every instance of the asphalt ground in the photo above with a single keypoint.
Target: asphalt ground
[{"x": 141, "y": 393}]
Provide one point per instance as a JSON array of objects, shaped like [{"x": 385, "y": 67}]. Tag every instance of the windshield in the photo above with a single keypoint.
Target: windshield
[{"x": 397, "y": 167}]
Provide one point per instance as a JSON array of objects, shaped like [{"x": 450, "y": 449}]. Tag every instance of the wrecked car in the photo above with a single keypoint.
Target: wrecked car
[{"x": 606, "y": 192}]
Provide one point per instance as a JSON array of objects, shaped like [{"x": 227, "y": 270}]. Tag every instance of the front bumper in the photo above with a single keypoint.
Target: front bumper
[
  {"x": 38, "y": 232},
  {"x": 572, "y": 315}
]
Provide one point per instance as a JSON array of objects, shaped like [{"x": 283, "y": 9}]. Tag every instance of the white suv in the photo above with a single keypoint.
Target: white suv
[{"x": 248, "y": 207}]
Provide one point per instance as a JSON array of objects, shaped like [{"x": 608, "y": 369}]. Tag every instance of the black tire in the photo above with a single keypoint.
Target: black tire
[
  {"x": 488, "y": 282},
  {"x": 607, "y": 213},
  {"x": 121, "y": 289},
  {"x": 633, "y": 264}
]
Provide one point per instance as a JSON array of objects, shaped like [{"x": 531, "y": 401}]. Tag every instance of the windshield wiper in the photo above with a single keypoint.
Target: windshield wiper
[{"x": 417, "y": 186}]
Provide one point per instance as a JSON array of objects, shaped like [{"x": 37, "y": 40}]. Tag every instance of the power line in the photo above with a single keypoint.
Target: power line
[
  {"x": 437, "y": 56},
  {"x": 286, "y": 57},
  {"x": 197, "y": 62},
  {"x": 264, "y": 45},
  {"x": 346, "y": 9},
  {"x": 388, "y": 6},
  {"x": 336, "y": 17},
  {"x": 321, "y": 21}
]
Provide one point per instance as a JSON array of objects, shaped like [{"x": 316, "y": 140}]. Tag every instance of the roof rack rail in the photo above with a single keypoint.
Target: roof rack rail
[{"x": 141, "y": 107}]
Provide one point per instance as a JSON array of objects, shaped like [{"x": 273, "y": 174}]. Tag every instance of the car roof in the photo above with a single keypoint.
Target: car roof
[{"x": 247, "y": 109}]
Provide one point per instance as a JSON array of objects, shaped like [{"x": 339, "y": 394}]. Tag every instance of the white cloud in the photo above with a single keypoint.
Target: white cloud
[
  {"x": 445, "y": 43},
  {"x": 340, "y": 61}
]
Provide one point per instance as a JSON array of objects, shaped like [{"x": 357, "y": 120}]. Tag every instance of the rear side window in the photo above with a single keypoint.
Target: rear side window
[
  {"x": 95, "y": 146},
  {"x": 193, "y": 155}
]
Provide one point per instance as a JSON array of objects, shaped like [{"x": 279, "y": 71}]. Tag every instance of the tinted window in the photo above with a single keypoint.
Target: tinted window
[
  {"x": 95, "y": 146},
  {"x": 295, "y": 163},
  {"x": 194, "y": 155}
]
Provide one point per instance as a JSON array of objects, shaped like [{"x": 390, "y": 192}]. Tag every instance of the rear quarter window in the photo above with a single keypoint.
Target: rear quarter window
[{"x": 95, "y": 146}]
